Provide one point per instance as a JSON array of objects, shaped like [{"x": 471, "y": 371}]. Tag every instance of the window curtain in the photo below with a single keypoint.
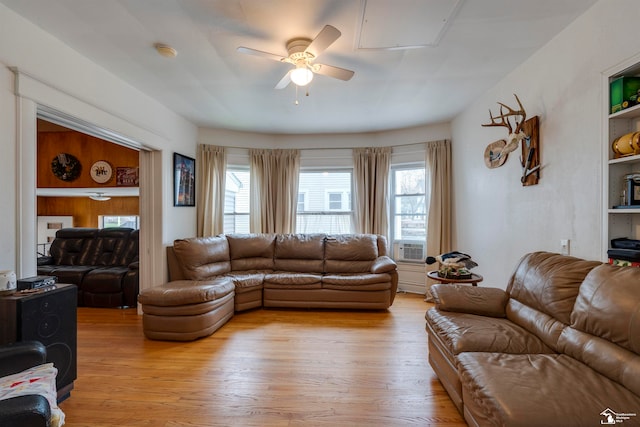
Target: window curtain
[
  {"x": 211, "y": 173},
  {"x": 438, "y": 170},
  {"x": 274, "y": 190},
  {"x": 371, "y": 179}
]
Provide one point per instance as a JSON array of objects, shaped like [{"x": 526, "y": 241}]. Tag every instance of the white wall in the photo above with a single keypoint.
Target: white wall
[
  {"x": 412, "y": 135},
  {"x": 497, "y": 220},
  {"x": 54, "y": 75}
]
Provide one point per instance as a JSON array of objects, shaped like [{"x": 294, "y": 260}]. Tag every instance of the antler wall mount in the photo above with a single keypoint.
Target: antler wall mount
[{"x": 522, "y": 132}]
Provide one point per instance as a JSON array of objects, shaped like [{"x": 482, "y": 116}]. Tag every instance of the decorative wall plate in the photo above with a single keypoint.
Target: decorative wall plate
[
  {"x": 101, "y": 172},
  {"x": 66, "y": 167}
]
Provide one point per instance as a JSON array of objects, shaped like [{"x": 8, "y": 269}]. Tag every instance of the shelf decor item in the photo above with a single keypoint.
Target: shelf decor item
[
  {"x": 626, "y": 145},
  {"x": 525, "y": 135},
  {"x": 623, "y": 93},
  {"x": 66, "y": 167},
  {"x": 127, "y": 177},
  {"x": 184, "y": 180},
  {"x": 101, "y": 172}
]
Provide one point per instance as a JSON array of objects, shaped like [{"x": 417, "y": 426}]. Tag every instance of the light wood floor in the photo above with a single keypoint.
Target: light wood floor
[{"x": 263, "y": 368}]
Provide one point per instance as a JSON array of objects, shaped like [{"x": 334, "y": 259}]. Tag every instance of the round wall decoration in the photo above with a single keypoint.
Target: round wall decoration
[
  {"x": 493, "y": 156},
  {"x": 66, "y": 167},
  {"x": 101, "y": 172}
]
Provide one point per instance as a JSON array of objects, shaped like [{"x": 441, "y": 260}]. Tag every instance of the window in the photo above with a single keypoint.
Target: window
[
  {"x": 110, "y": 221},
  {"x": 408, "y": 203},
  {"x": 236, "y": 201},
  {"x": 324, "y": 202}
]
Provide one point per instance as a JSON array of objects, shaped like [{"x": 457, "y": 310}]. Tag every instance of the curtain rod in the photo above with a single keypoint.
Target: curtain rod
[{"x": 328, "y": 148}]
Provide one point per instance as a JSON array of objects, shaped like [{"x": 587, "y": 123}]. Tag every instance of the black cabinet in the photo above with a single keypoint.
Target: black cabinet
[{"x": 48, "y": 316}]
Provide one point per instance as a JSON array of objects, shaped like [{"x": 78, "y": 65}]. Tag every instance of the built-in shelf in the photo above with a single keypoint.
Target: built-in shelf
[
  {"x": 628, "y": 113},
  {"x": 625, "y": 211},
  {"x": 627, "y": 159},
  {"x": 621, "y": 222}
]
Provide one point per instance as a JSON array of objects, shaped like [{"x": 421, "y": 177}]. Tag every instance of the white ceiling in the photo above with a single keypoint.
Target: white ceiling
[{"x": 213, "y": 85}]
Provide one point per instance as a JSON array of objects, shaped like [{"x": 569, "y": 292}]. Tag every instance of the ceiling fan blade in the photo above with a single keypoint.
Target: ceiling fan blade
[
  {"x": 284, "y": 82},
  {"x": 335, "y": 72},
  {"x": 249, "y": 51},
  {"x": 323, "y": 40}
]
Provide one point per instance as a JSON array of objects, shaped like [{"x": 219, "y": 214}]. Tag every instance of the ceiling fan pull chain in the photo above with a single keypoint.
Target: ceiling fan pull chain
[{"x": 296, "y": 103}]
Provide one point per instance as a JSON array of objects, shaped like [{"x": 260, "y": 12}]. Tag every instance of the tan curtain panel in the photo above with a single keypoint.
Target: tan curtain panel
[
  {"x": 211, "y": 174},
  {"x": 371, "y": 179},
  {"x": 438, "y": 170},
  {"x": 274, "y": 190}
]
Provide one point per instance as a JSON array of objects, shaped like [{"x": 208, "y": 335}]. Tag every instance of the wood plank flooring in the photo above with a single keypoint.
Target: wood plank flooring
[{"x": 263, "y": 368}]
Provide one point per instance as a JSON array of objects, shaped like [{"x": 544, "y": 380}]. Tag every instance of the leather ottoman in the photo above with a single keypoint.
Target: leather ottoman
[{"x": 185, "y": 310}]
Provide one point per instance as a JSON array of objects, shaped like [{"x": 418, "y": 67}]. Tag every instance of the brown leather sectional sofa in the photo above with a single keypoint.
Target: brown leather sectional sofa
[
  {"x": 213, "y": 277},
  {"x": 559, "y": 347},
  {"x": 102, "y": 263}
]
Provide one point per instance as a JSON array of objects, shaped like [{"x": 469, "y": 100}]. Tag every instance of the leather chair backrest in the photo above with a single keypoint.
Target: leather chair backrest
[
  {"x": 605, "y": 325},
  {"x": 251, "y": 251},
  {"x": 109, "y": 247},
  {"x": 202, "y": 257},
  {"x": 303, "y": 253},
  {"x": 542, "y": 292},
  {"x": 350, "y": 253},
  {"x": 72, "y": 246}
]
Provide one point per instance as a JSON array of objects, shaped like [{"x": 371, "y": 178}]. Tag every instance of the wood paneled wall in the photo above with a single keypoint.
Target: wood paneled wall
[
  {"x": 88, "y": 150},
  {"x": 52, "y": 140},
  {"x": 84, "y": 210}
]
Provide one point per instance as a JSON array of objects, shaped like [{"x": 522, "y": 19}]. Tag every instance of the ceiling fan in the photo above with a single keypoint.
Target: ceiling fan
[{"x": 302, "y": 53}]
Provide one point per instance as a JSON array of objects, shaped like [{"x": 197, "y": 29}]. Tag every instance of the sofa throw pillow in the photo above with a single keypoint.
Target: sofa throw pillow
[{"x": 40, "y": 380}]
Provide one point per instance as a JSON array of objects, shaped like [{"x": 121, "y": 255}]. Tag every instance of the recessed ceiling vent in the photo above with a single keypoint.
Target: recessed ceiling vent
[{"x": 405, "y": 24}]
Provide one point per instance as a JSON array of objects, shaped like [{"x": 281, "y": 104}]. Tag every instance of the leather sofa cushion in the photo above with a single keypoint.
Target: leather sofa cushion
[
  {"x": 184, "y": 292},
  {"x": 538, "y": 390},
  {"x": 281, "y": 279},
  {"x": 247, "y": 281},
  {"x": 460, "y": 332},
  {"x": 71, "y": 273},
  {"x": 353, "y": 253},
  {"x": 104, "y": 279},
  {"x": 605, "y": 307},
  {"x": 359, "y": 281},
  {"x": 203, "y": 257},
  {"x": 251, "y": 251},
  {"x": 549, "y": 283},
  {"x": 70, "y": 251},
  {"x": 605, "y": 329},
  {"x": 302, "y": 253},
  {"x": 470, "y": 299}
]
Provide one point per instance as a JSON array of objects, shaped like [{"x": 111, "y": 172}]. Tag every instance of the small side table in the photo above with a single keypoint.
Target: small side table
[{"x": 474, "y": 279}]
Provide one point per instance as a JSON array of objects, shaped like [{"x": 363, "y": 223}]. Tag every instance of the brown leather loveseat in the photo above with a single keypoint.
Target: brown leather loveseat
[
  {"x": 559, "y": 347},
  {"x": 213, "y": 277},
  {"x": 102, "y": 263}
]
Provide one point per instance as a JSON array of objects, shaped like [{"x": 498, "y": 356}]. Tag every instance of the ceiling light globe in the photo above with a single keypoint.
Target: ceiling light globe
[{"x": 301, "y": 76}]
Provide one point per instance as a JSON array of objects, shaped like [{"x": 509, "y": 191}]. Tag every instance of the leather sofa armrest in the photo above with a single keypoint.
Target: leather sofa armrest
[
  {"x": 25, "y": 411},
  {"x": 470, "y": 299},
  {"x": 134, "y": 265},
  {"x": 383, "y": 264},
  {"x": 45, "y": 260},
  {"x": 21, "y": 355}
]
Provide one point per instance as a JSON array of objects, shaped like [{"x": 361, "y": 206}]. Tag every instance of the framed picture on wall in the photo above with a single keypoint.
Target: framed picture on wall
[{"x": 184, "y": 180}]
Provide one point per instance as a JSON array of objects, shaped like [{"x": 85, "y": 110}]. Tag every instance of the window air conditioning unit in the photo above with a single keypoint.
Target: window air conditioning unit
[{"x": 410, "y": 251}]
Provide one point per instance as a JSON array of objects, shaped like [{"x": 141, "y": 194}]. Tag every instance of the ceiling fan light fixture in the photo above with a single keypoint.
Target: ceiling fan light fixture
[
  {"x": 301, "y": 76},
  {"x": 100, "y": 197}
]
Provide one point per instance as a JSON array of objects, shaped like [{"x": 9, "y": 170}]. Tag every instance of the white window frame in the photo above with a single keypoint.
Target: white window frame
[
  {"x": 346, "y": 199},
  {"x": 393, "y": 233},
  {"x": 234, "y": 214},
  {"x": 101, "y": 219}
]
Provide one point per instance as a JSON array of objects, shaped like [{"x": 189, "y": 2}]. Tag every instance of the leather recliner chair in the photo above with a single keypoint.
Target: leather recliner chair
[{"x": 23, "y": 411}]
